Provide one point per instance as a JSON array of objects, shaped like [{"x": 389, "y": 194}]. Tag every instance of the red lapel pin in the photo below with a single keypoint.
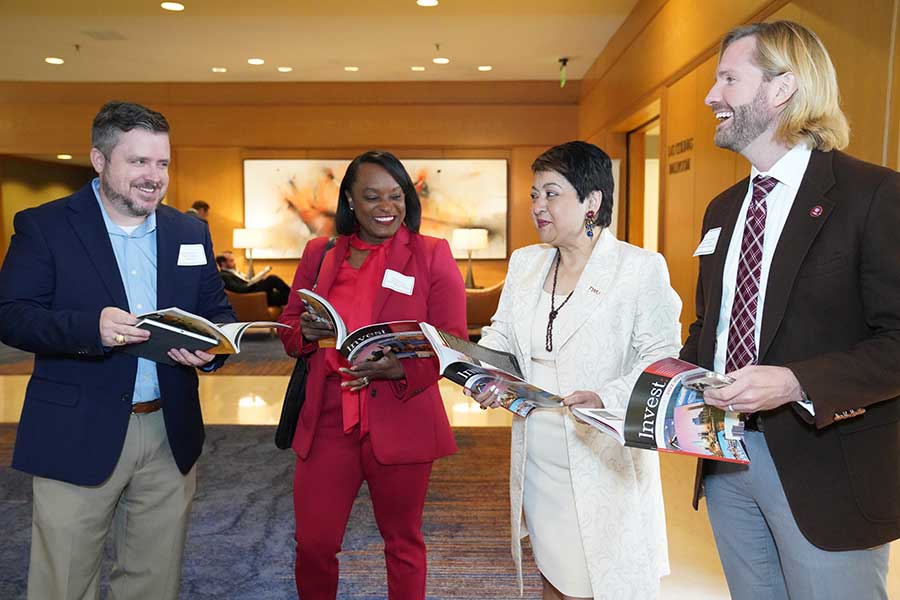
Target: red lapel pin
[{"x": 816, "y": 211}]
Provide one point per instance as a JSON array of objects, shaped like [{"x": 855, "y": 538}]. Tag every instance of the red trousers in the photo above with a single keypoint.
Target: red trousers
[{"x": 325, "y": 486}]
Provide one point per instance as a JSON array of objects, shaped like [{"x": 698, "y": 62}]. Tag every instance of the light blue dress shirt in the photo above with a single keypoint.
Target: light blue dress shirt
[{"x": 136, "y": 256}]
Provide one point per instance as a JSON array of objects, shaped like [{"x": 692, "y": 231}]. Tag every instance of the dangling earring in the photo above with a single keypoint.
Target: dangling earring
[{"x": 589, "y": 224}]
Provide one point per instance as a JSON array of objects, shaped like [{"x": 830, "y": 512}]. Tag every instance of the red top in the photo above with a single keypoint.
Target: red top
[
  {"x": 406, "y": 419},
  {"x": 353, "y": 295}
]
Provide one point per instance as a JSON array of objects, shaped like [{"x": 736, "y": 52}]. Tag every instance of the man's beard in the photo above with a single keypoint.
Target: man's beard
[
  {"x": 748, "y": 122},
  {"x": 125, "y": 203}
]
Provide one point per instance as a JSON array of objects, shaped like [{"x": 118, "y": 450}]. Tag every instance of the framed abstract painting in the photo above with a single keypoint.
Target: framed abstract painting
[{"x": 295, "y": 200}]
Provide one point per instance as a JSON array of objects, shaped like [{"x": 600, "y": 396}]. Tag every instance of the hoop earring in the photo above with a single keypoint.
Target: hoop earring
[{"x": 589, "y": 224}]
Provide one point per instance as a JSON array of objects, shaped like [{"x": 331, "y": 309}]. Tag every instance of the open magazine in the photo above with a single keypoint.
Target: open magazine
[
  {"x": 475, "y": 367},
  {"x": 404, "y": 338},
  {"x": 666, "y": 412},
  {"x": 175, "y": 328},
  {"x": 258, "y": 277}
]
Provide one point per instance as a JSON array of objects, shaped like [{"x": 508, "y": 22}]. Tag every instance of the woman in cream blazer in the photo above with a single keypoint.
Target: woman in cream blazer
[{"x": 622, "y": 314}]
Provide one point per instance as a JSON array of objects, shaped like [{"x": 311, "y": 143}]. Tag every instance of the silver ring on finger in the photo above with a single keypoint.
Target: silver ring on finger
[
  {"x": 731, "y": 408},
  {"x": 365, "y": 380}
]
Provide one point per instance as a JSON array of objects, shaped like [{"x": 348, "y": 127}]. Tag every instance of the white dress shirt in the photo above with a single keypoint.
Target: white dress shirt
[{"x": 789, "y": 171}]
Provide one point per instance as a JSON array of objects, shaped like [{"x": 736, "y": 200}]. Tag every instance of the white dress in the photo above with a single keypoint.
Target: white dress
[{"x": 548, "y": 500}]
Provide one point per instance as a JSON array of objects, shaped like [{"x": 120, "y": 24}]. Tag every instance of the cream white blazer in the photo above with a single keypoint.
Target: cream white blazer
[{"x": 628, "y": 317}]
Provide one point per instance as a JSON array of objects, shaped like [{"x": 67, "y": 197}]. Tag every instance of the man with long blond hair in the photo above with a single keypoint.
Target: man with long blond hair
[{"x": 798, "y": 299}]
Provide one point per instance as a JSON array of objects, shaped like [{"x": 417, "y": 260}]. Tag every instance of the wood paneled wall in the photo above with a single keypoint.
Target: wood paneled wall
[
  {"x": 662, "y": 56},
  {"x": 25, "y": 183},
  {"x": 214, "y": 127},
  {"x": 671, "y": 56}
]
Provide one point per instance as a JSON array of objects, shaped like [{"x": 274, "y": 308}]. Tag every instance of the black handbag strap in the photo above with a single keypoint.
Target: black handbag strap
[
  {"x": 295, "y": 393},
  {"x": 328, "y": 246}
]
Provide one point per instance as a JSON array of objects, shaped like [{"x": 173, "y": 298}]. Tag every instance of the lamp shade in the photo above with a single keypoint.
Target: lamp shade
[
  {"x": 470, "y": 239},
  {"x": 248, "y": 238}
]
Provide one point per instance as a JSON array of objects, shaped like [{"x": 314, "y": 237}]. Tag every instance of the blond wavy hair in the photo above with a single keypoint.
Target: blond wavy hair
[{"x": 813, "y": 114}]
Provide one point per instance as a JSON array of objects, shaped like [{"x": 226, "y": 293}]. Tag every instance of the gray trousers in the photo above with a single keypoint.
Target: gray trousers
[
  {"x": 145, "y": 502},
  {"x": 763, "y": 552}
]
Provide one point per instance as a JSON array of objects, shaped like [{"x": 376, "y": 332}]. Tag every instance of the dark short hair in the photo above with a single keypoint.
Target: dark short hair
[
  {"x": 116, "y": 118},
  {"x": 344, "y": 219},
  {"x": 587, "y": 168},
  {"x": 200, "y": 205},
  {"x": 220, "y": 258}
]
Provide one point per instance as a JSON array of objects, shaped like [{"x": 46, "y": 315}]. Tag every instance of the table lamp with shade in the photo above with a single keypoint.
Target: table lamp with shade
[
  {"x": 249, "y": 239},
  {"x": 470, "y": 239}
]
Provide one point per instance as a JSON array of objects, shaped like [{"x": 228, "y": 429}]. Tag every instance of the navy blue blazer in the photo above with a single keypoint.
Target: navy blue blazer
[{"x": 59, "y": 273}]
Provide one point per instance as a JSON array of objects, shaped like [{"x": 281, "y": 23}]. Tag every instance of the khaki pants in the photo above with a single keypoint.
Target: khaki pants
[{"x": 146, "y": 501}]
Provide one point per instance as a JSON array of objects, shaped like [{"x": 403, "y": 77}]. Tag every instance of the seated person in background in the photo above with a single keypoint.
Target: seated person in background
[
  {"x": 199, "y": 210},
  {"x": 277, "y": 291}
]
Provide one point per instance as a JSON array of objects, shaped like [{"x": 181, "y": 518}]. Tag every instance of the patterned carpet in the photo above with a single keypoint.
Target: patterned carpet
[
  {"x": 261, "y": 354},
  {"x": 240, "y": 542}
]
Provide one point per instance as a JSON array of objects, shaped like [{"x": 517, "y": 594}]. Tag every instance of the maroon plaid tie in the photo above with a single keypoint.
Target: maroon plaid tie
[{"x": 741, "y": 338}]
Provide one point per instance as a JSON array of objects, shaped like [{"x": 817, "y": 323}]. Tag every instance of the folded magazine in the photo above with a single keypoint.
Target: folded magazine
[
  {"x": 175, "y": 328},
  {"x": 666, "y": 412},
  {"x": 404, "y": 338},
  {"x": 475, "y": 367}
]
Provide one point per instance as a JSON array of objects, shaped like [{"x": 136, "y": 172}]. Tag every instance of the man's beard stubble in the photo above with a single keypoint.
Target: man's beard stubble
[
  {"x": 124, "y": 202},
  {"x": 748, "y": 122}
]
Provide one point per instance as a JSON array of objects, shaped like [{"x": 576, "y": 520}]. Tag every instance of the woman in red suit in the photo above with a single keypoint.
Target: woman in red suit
[{"x": 382, "y": 421}]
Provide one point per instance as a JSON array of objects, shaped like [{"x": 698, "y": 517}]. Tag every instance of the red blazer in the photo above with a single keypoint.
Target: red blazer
[{"x": 407, "y": 421}]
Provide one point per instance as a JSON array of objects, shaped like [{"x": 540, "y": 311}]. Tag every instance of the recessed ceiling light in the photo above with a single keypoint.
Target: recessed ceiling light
[
  {"x": 427, "y": 2},
  {"x": 54, "y": 60},
  {"x": 417, "y": 68},
  {"x": 173, "y": 6},
  {"x": 485, "y": 68},
  {"x": 255, "y": 61},
  {"x": 219, "y": 70},
  {"x": 64, "y": 156},
  {"x": 351, "y": 69},
  {"x": 440, "y": 60},
  {"x": 285, "y": 69}
]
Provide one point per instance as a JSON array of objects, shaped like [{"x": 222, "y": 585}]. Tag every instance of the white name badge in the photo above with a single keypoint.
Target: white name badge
[
  {"x": 191, "y": 255},
  {"x": 708, "y": 245},
  {"x": 398, "y": 282}
]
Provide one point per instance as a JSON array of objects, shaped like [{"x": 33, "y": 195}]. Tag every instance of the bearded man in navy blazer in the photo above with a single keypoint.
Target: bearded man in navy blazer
[
  {"x": 798, "y": 299},
  {"x": 110, "y": 439}
]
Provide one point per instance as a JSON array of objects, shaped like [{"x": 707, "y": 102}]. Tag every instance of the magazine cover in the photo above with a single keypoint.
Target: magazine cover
[
  {"x": 404, "y": 338},
  {"x": 666, "y": 412}
]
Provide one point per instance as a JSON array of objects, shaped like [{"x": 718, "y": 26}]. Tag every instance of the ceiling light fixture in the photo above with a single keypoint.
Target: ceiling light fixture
[
  {"x": 64, "y": 156},
  {"x": 173, "y": 6},
  {"x": 427, "y": 2},
  {"x": 351, "y": 69},
  {"x": 52, "y": 60},
  {"x": 285, "y": 69},
  {"x": 417, "y": 68},
  {"x": 485, "y": 68},
  {"x": 439, "y": 60},
  {"x": 219, "y": 70},
  {"x": 255, "y": 61}
]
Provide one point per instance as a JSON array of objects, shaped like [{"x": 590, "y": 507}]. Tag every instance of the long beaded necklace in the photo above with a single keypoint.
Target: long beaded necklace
[{"x": 554, "y": 310}]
